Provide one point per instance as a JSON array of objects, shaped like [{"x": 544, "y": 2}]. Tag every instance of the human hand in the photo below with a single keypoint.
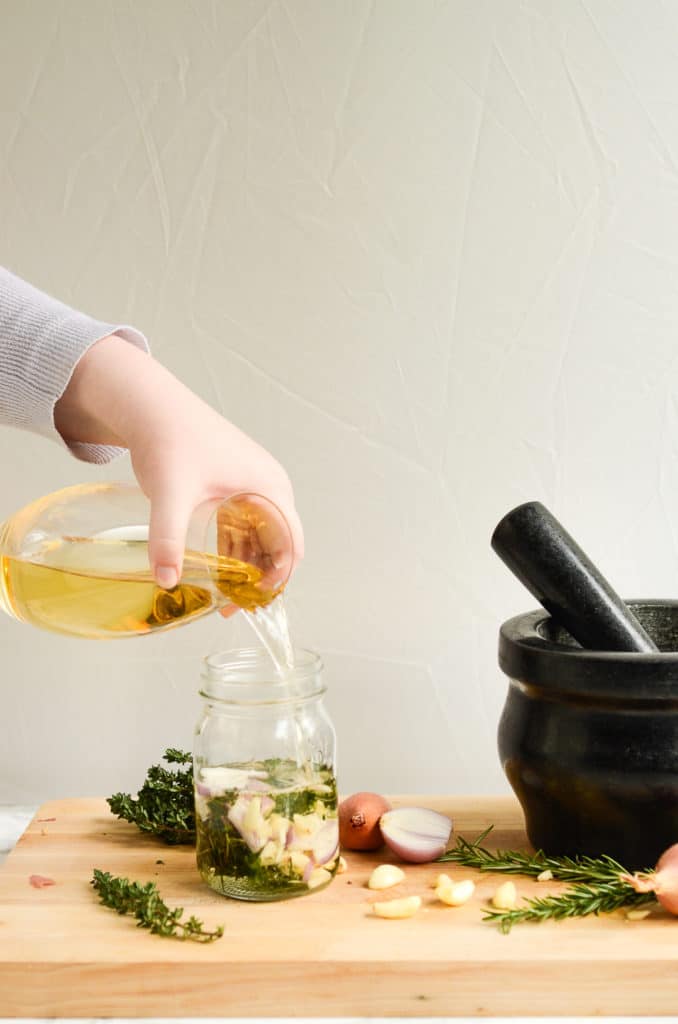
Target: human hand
[{"x": 183, "y": 452}]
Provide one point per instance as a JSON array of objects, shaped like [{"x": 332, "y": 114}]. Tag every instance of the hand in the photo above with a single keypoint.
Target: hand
[{"x": 183, "y": 452}]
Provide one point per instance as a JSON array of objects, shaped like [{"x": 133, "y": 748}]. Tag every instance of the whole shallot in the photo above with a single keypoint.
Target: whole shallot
[{"x": 663, "y": 881}]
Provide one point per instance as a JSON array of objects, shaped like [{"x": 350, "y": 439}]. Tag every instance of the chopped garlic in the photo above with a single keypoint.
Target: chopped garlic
[
  {"x": 272, "y": 853},
  {"x": 545, "y": 876}
]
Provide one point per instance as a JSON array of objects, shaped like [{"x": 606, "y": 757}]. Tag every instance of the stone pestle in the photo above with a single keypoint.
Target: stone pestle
[{"x": 546, "y": 559}]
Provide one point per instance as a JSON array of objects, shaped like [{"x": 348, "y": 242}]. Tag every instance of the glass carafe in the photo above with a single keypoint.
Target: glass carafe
[{"x": 76, "y": 561}]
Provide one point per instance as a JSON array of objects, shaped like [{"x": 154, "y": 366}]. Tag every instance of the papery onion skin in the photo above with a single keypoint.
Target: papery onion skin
[
  {"x": 663, "y": 881},
  {"x": 417, "y": 834},
  {"x": 359, "y": 821}
]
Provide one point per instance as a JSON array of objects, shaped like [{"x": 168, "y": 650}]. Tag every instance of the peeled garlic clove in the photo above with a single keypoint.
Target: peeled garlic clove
[
  {"x": 385, "y": 876},
  {"x": 417, "y": 834},
  {"x": 506, "y": 897},
  {"x": 456, "y": 893},
  {"x": 441, "y": 880},
  {"x": 405, "y": 907},
  {"x": 318, "y": 877},
  {"x": 637, "y": 915},
  {"x": 341, "y": 866}
]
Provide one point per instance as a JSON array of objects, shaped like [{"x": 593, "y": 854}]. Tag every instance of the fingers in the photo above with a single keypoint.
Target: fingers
[
  {"x": 254, "y": 530},
  {"x": 170, "y": 514}
]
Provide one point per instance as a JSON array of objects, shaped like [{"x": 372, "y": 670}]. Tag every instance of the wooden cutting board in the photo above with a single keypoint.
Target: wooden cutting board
[{"x": 321, "y": 955}]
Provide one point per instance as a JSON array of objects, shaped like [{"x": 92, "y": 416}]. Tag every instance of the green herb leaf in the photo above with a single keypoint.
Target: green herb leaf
[
  {"x": 596, "y": 886},
  {"x": 145, "y": 904},
  {"x": 577, "y": 901},
  {"x": 164, "y": 805}
]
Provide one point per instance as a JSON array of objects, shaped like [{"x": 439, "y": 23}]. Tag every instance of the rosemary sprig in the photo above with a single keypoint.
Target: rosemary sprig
[
  {"x": 516, "y": 862},
  {"x": 145, "y": 904},
  {"x": 164, "y": 804},
  {"x": 577, "y": 901},
  {"x": 595, "y": 883}
]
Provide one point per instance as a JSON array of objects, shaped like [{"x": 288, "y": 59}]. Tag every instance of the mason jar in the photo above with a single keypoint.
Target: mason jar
[{"x": 264, "y": 775}]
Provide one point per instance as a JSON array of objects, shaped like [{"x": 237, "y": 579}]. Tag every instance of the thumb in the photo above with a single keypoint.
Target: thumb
[{"x": 170, "y": 514}]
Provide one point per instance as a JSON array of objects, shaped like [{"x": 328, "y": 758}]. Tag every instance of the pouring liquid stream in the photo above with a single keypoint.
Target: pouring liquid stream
[{"x": 271, "y": 626}]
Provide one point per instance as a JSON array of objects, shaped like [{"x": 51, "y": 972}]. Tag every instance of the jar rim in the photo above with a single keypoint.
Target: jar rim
[{"x": 247, "y": 675}]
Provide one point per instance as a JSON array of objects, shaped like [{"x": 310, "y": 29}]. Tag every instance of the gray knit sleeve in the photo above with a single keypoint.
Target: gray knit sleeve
[{"x": 41, "y": 341}]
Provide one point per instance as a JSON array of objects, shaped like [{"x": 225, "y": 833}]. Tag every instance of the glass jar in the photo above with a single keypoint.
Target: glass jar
[{"x": 264, "y": 773}]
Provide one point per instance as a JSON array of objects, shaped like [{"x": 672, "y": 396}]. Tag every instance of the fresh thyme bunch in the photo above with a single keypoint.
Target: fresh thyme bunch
[
  {"x": 164, "y": 804},
  {"x": 145, "y": 904},
  {"x": 596, "y": 885}
]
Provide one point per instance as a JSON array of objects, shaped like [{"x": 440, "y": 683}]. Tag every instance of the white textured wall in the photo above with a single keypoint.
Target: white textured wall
[{"x": 427, "y": 253}]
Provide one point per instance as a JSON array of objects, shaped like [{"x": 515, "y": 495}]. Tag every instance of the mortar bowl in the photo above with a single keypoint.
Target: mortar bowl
[{"x": 589, "y": 739}]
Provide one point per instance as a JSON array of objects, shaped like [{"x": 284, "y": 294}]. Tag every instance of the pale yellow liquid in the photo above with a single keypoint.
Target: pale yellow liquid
[{"x": 103, "y": 589}]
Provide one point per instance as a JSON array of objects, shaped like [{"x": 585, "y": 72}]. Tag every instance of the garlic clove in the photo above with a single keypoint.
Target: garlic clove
[
  {"x": 341, "y": 867},
  {"x": 456, "y": 893},
  {"x": 319, "y": 876},
  {"x": 441, "y": 880},
  {"x": 416, "y": 834},
  {"x": 545, "y": 876},
  {"x": 506, "y": 897},
  {"x": 637, "y": 915},
  {"x": 394, "y": 909},
  {"x": 385, "y": 876}
]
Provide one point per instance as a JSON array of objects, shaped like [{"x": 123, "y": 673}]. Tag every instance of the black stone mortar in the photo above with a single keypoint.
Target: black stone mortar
[{"x": 589, "y": 739}]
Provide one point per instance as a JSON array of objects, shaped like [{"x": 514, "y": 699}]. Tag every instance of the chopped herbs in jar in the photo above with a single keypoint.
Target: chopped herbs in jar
[{"x": 266, "y": 830}]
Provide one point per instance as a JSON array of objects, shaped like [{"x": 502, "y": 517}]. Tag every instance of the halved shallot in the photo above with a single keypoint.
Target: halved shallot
[{"x": 416, "y": 834}]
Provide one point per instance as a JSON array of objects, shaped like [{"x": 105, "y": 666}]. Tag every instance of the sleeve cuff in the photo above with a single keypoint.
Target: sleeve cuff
[{"x": 99, "y": 453}]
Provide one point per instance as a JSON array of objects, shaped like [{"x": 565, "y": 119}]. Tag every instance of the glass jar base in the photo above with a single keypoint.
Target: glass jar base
[{"x": 243, "y": 889}]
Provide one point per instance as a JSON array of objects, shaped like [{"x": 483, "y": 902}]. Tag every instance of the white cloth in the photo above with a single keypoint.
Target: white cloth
[{"x": 41, "y": 341}]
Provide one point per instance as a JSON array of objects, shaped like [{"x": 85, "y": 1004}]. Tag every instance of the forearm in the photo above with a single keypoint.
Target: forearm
[{"x": 117, "y": 393}]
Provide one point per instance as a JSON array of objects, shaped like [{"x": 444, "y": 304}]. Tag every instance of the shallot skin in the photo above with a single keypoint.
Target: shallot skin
[
  {"x": 40, "y": 881},
  {"x": 359, "y": 821},
  {"x": 663, "y": 881}
]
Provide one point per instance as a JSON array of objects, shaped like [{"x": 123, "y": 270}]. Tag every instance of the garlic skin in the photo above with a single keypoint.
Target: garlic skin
[{"x": 417, "y": 834}]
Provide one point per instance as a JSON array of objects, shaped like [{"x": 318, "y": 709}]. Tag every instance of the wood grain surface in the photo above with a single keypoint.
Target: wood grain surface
[{"x": 321, "y": 955}]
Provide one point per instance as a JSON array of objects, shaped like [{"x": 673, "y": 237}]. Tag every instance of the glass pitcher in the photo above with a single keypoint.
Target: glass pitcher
[{"x": 76, "y": 561}]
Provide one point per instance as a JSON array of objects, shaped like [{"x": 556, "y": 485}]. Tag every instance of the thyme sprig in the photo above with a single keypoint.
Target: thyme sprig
[
  {"x": 595, "y": 883},
  {"x": 145, "y": 904},
  {"x": 164, "y": 804}
]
